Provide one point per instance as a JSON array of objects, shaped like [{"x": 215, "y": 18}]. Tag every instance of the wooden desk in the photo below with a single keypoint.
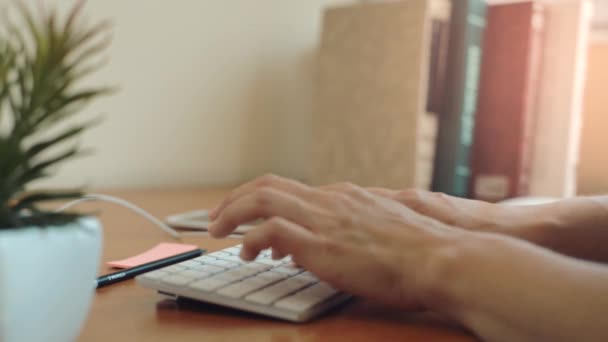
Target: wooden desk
[{"x": 127, "y": 312}]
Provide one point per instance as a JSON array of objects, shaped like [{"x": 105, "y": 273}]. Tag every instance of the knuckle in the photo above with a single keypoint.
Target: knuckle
[
  {"x": 329, "y": 246},
  {"x": 346, "y": 221},
  {"x": 337, "y": 197},
  {"x": 249, "y": 239},
  {"x": 266, "y": 180},
  {"x": 410, "y": 195},
  {"x": 228, "y": 221},
  {"x": 413, "y": 198},
  {"x": 263, "y": 197},
  {"x": 350, "y": 189},
  {"x": 276, "y": 222},
  {"x": 348, "y": 186},
  {"x": 441, "y": 196},
  {"x": 274, "y": 229}
]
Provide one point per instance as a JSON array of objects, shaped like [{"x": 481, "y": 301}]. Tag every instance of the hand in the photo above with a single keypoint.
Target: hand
[
  {"x": 466, "y": 213},
  {"x": 357, "y": 241}
]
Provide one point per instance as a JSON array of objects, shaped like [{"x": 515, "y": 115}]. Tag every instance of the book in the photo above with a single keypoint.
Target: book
[
  {"x": 560, "y": 98},
  {"x": 371, "y": 126},
  {"x": 440, "y": 38},
  {"x": 504, "y": 121},
  {"x": 451, "y": 172},
  {"x": 593, "y": 165}
]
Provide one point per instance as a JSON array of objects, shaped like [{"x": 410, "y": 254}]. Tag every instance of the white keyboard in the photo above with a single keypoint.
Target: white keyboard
[{"x": 269, "y": 287}]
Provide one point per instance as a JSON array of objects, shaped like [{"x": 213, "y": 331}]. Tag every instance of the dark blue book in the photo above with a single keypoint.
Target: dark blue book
[{"x": 452, "y": 170}]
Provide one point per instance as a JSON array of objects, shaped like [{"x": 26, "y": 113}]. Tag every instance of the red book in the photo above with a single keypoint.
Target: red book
[{"x": 504, "y": 120}]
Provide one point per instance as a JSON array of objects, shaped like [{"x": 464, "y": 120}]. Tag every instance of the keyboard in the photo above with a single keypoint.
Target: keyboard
[{"x": 275, "y": 288}]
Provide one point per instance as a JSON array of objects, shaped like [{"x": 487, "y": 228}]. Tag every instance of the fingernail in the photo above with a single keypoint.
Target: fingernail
[
  {"x": 211, "y": 228},
  {"x": 243, "y": 255},
  {"x": 212, "y": 214}
]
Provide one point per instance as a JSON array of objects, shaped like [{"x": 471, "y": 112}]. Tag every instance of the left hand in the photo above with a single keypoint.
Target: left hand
[{"x": 357, "y": 241}]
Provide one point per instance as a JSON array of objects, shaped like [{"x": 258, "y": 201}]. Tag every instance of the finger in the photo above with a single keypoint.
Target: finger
[
  {"x": 277, "y": 254},
  {"x": 346, "y": 188},
  {"x": 383, "y": 192},
  {"x": 262, "y": 203},
  {"x": 338, "y": 187},
  {"x": 280, "y": 234},
  {"x": 273, "y": 181},
  {"x": 423, "y": 202}
]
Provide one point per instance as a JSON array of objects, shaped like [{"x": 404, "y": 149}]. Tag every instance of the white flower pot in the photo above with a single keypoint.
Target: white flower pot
[{"x": 47, "y": 280}]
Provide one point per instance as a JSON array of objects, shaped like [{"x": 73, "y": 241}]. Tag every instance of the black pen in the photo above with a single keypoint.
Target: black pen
[{"x": 133, "y": 271}]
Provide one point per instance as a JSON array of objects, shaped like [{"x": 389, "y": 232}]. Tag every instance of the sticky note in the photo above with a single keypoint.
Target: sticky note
[{"x": 160, "y": 251}]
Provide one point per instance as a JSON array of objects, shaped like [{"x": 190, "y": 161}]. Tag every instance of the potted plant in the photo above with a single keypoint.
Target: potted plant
[{"x": 48, "y": 259}]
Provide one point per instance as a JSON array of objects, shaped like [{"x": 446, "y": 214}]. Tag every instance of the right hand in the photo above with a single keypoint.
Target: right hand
[
  {"x": 464, "y": 213},
  {"x": 365, "y": 244}
]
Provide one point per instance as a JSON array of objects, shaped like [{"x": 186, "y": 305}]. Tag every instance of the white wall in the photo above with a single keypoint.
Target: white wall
[{"x": 211, "y": 92}]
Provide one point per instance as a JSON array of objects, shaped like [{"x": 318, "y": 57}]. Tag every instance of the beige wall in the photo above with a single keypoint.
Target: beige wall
[
  {"x": 211, "y": 92},
  {"x": 593, "y": 167},
  {"x": 217, "y": 92}
]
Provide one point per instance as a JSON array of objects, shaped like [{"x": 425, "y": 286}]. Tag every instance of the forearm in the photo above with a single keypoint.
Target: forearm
[
  {"x": 577, "y": 227},
  {"x": 504, "y": 289}
]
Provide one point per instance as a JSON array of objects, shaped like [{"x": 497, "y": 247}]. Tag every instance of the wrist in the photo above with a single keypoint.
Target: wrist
[
  {"x": 533, "y": 223},
  {"x": 439, "y": 267},
  {"x": 449, "y": 275}
]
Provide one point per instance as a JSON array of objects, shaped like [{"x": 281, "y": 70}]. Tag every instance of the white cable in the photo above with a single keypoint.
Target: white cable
[
  {"x": 141, "y": 212},
  {"x": 131, "y": 206}
]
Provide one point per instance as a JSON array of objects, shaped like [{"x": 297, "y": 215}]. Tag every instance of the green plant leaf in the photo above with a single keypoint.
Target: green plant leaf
[
  {"x": 42, "y": 61},
  {"x": 29, "y": 200},
  {"x": 70, "y": 133}
]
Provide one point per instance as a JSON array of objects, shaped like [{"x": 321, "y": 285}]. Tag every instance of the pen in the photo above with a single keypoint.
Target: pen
[{"x": 134, "y": 271}]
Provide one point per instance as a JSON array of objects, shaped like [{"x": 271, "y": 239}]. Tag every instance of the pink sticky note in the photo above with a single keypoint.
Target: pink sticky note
[{"x": 160, "y": 251}]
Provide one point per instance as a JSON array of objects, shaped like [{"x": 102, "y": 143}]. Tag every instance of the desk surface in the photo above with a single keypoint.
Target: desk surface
[{"x": 128, "y": 312}]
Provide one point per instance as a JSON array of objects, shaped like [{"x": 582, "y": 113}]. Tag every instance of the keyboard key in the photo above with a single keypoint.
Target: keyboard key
[
  {"x": 309, "y": 276},
  {"x": 257, "y": 281},
  {"x": 274, "y": 292},
  {"x": 219, "y": 255},
  {"x": 307, "y": 298},
  {"x": 208, "y": 269},
  {"x": 173, "y": 268},
  {"x": 257, "y": 266},
  {"x": 154, "y": 275},
  {"x": 221, "y": 263},
  {"x": 189, "y": 263},
  {"x": 304, "y": 280},
  {"x": 204, "y": 259},
  {"x": 242, "y": 288},
  {"x": 177, "y": 280},
  {"x": 232, "y": 258},
  {"x": 268, "y": 262},
  {"x": 236, "y": 250},
  {"x": 321, "y": 290},
  {"x": 246, "y": 271},
  {"x": 299, "y": 302},
  {"x": 272, "y": 276},
  {"x": 194, "y": 274},
  {"x": 208, "y": 285},
  {"x": 308, "y": 273},
  {"x": 234, "y": 275},
  {"x": 223, "y": 278},
  {"x": 287, "y": 260},
  {"x": 287, "y": 270}
]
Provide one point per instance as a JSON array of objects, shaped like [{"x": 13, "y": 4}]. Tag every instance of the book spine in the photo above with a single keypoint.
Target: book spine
[
  {"x": 558, "y": 114},
  {"x": 437, "y": 72},
  {"x": 451, "y": 172},
  {"x": 536, "y": 56},
  {"x": 502, "y": 138}
]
